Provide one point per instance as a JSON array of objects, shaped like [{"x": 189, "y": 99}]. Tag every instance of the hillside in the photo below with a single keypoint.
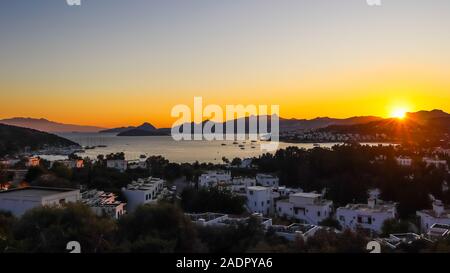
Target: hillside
[
  {"x": 49, "y": 126},
  {"x": 15, "y": 139},
  {"x": 423, "y": 125}
]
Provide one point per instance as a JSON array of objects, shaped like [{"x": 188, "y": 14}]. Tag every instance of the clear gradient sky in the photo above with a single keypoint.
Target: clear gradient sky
[{"x": 122, "y": 62}]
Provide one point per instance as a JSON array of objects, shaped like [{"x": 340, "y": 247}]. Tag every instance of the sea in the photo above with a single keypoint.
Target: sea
[{"x": 175, "y": 151}]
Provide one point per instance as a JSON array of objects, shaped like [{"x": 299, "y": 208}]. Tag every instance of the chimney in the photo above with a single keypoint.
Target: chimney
[
  {"x": 438, "y": 207},
  {"x": 372, "y": 202}
]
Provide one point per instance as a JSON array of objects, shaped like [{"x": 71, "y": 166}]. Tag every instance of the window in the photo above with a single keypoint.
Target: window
[
  {"x": 62, "y": 201},
  {"x": 250, "y": 192},
  {"x": 318, "y": 214},
  {"x": 342, "y": 218}
]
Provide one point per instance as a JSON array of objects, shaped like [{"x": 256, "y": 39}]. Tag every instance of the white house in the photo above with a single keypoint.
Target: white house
[
  {"x": 214, "y": 178},
  {"x": 404, "y": 161},
  {"x": 438, "y": 231},
  {"x": 295, "y": 231},
  {"x": 438, "y": 215},
  {"x": 72, "y": 163},
  {"x": 370, "y": 216},
  {"x": 239, "y": 185},
  {"x": 103, "y": 203},
  {"x": 260, "y": 200},
  {"x": 118, "y": 164},
  {"x": 207, "y": 218},
  {"x": 142, "y": 191},
  {"x": 437, "y": 163},
  {"x": 267, "y": 180},
  {"x": 309, "y": 208},
  {"x": 18, "y": 201}
]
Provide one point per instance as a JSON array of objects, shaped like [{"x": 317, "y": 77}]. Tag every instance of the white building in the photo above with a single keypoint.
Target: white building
[
  {"x": 207, "y": 218},
  {"x": 309, "y": 208},
  {"x": 295, "y": 231},
  {"x": 284, "y": 192},
  {"x": 260, "y": 200},
  {"x": 438, "y": 231},
  {"x": 438, "y": 215},
  {"x": 137, "y": 164},
  {"x": 437, "y": 163},
  {"x": 143, "y": 191},
  {"x": 118, "y": 164},
  {"x": 404, "y": 161},
  {"x": 214, "y": 178},
  {"x": 103, "y": 203},
  {"x": 239, "y": 185},
  {"x": 370, "y": 216},
  {"x": 72, "y": 163},
  {"x": 267, "y": 180},
  {"x": 18, "y": 201}
]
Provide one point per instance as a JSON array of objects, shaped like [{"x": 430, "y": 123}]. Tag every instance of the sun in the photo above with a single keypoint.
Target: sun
[{"x": 399, "y": 113}]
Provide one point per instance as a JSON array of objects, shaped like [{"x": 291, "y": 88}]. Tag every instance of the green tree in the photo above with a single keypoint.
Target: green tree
[
  {"x": 158, "y": 228},
  {"x": 49, "y": 229}
]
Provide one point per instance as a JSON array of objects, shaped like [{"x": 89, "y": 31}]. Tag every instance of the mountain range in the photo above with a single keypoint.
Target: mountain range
[
  {"x": 48, "y": 126},
  {"x": 437, "y": 118},
  {"x": 419, "y": 125}
]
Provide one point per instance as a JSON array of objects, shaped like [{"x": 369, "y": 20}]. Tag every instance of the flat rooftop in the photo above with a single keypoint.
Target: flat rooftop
[
  {"x": 34, "y": 191},
  {"x": 307, "y": 194}
]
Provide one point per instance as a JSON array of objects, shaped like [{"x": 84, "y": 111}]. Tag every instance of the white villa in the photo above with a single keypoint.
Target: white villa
[
  {"x": 214, "y": 178},
  {"x": 143, "y": 191},
  {"x": 437, "y": 163},
  {"x": 118, "y": 164},
  {"x": 404, "y": 161},
  {"x": 370, "y": 216},
  {"x": 295, "y": 231},
  {"x": 309, "y": 208},
  {"x": 103, "y": 203},
  {"x": 267, "y": 180},
  {"x": 20, "y": 200},
  {"x": 260, "y": 200},
  {"x": 438, "y": 215}
]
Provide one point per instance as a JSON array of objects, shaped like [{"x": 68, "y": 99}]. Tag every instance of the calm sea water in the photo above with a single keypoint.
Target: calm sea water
[{"x": 175, "y": 151}]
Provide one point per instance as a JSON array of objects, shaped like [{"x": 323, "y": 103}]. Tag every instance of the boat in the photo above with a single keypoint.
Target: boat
[
  {"x": 223, "y": 144},
  {"x": 143, "y": 156},
  {"x": 235, "y": 143},
  {"x": 316, "y": 145}
]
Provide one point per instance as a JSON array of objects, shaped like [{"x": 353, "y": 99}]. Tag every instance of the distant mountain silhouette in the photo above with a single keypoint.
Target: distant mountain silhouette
[
  {"x": 118, "y": 130},
  {"x": 48, "y": 126},
  {"x": 287, "y": 125},
  {"x": 422, "y": 124},
  {"x": 146, "y": 129},
  {"x": 14, "y": 139}
]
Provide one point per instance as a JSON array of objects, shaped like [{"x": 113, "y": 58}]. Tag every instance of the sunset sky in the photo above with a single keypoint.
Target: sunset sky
[{"x": 122, "y": 62}]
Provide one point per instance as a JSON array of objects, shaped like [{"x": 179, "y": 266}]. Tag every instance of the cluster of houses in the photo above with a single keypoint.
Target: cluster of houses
[
  {"x": 308, "y": 209},
  {"x": 316, "y": 136},
  {"x": 290, "y": 232},
  {"x": 139, "y": 192},
  {"x": 407, "y": 161}
]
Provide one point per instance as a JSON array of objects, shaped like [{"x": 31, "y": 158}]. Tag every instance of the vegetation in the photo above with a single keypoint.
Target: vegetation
[
  {"x": 212, "y": 200},
  {"x": 17, "y": 139}
]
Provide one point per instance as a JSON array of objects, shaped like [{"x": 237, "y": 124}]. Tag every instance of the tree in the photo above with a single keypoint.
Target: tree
[
  {"x": 158, "y": 228},
  {"x": 236, "y": 161},
  {"x": 393, "y": 226},
  {"x": 211, "y": 200},
  {"x": 49, "y": 229}
]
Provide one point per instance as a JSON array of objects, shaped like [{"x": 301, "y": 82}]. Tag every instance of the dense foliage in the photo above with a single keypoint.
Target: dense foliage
[{"x": 15, "y": 139}]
